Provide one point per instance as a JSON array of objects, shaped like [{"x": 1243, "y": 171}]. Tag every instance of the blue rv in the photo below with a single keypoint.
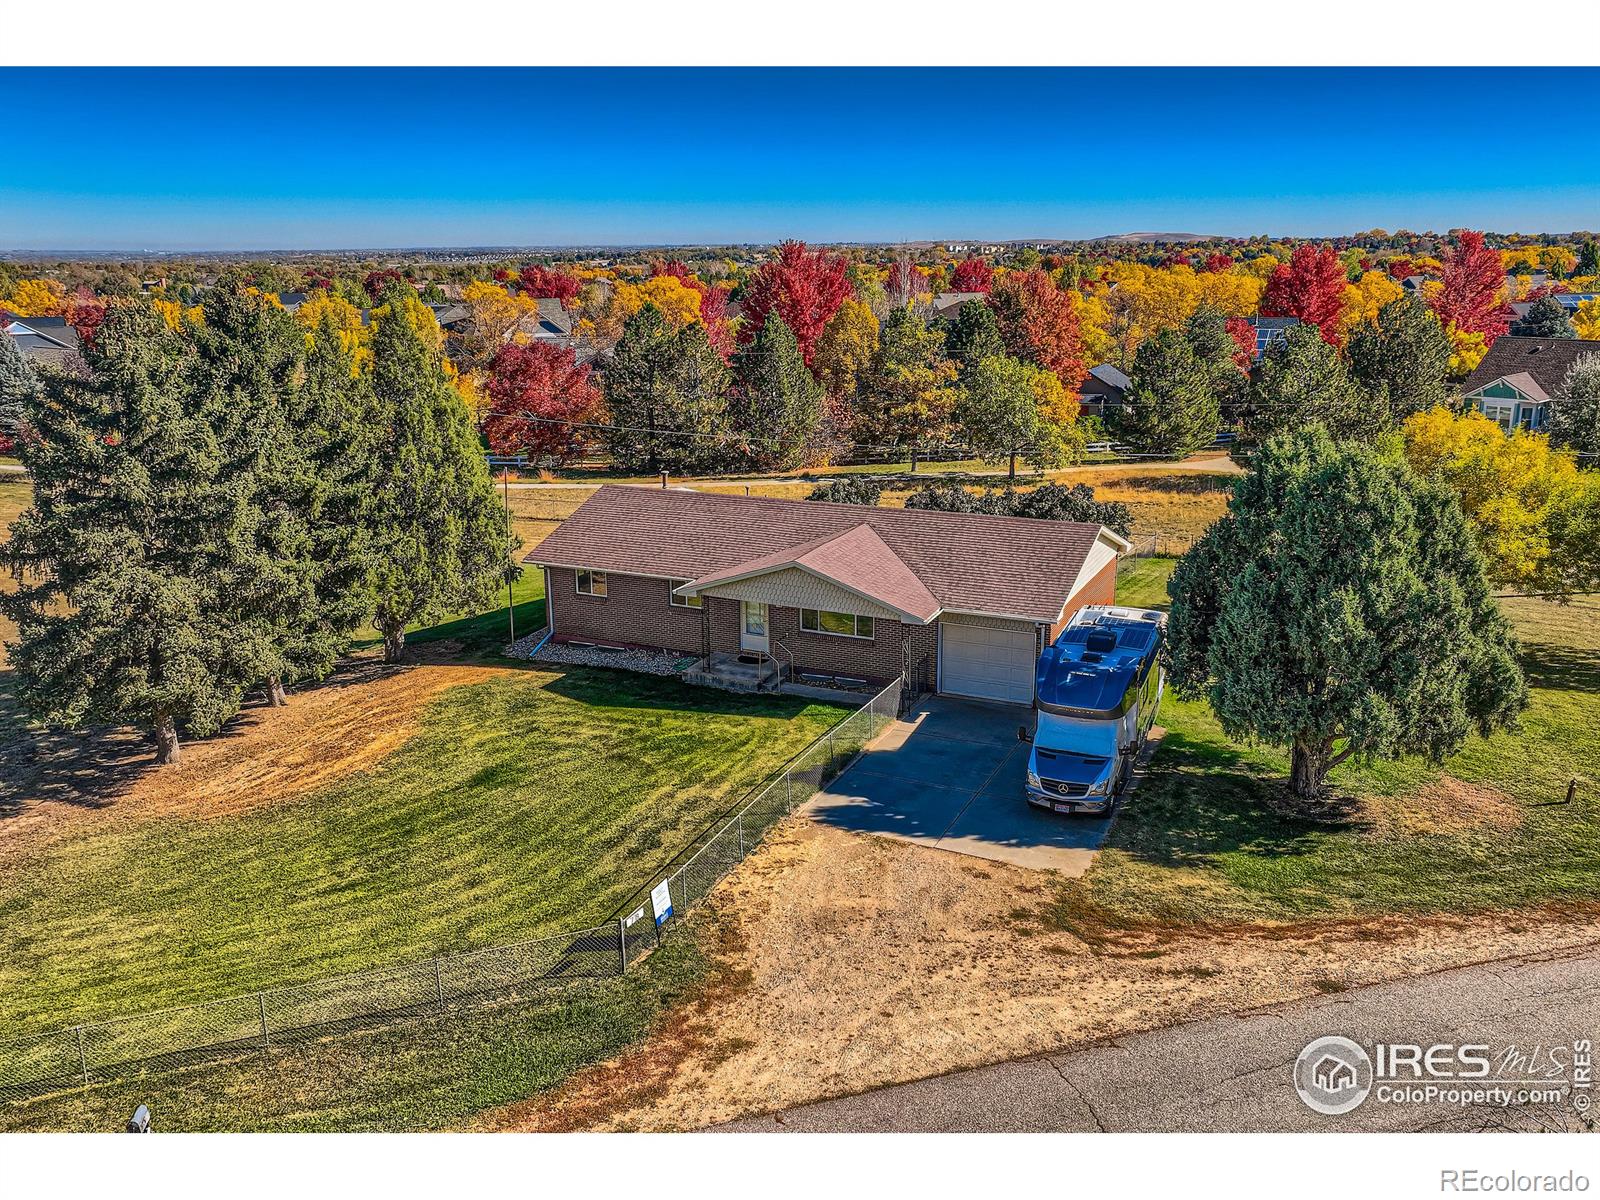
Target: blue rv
[{"x": 1098, "y": 687}]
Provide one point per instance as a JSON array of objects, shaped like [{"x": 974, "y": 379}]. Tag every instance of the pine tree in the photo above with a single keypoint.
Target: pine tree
[
  {"x": 776, "y": 402},
  {"x": 1545, "y": 319},
  {"x": 973, "y": 336},
  {"x": 1302, "y": 381},
  {"x": 667, "y": 395},
  {"x": 1402, "y": 358},
  {"x": 1575, "y": 411},
  {"x": 439, "y": 542},
  {"x": 122, "y": 560},
  {"x": 1172, "y": 406},
  {"x": 19, "y": 387},
  {"x": 1588, "y": 259}
]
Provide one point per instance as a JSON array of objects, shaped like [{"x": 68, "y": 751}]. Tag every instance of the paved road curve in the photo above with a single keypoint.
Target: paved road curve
[{"x": 1232, "y": 1073}]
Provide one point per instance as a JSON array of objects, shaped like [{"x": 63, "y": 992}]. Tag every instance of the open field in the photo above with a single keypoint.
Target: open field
[
  {"x": 1199, "y": 842},
  {"x": 517, "y": 802}
]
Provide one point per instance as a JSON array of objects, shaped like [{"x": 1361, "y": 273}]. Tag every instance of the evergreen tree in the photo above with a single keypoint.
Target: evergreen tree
[
  {"x": 1588, "y": 259},
  {"x": 1545, "y": 318},
  {"x": 1402, "y": 358},
  {"x": 1341, "y": 609},
  {"x": 1051, "y": 502},
  {"x": 1172, "y": 404},
  {"x": 667, "y": 395},
  {"x": 247, "y": 371},
  {"x": 907, "y": 392},
  {"x": 439, "y": 538},
  {"x": 973, "y": 336},
  {"x": 1575, "y": 412},
  {"x": 1302, "y": 381},
  {"x": 19, "y": 386},
  {"x": 776, "y": 402},
  {"x": 123, "y": 559},
  {"x": 848, "y": 489}
]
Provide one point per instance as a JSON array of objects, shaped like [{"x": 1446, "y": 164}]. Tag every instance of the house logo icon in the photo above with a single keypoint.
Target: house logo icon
[{"x": 1333, "y": 1075}]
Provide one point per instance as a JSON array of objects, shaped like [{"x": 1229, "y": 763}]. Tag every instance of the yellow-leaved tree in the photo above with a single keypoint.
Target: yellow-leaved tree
[
  {"x": 1466, "y": 350},
  {"x": 1586, "y": 320},
  {"x": 37, "y": 298},
  {"x": 1512, "y": 489},
  {"x": 355, "y": 339},
  {"x": 1363, "y": 299}
]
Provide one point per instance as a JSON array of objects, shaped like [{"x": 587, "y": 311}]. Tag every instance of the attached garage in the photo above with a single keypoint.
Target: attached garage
[{"x": 987, "y": 659}]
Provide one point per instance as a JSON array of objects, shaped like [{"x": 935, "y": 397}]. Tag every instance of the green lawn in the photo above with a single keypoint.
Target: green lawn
[
  {"x": 531, "y": 803},
  {"x": 480, "y": 634},
  {"x": 1197, "y": 842}
]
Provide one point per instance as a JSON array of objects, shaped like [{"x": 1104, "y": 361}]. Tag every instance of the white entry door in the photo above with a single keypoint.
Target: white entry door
[
  {"x": 752, "y": 626},
  {"x": 987, "y": 662}
]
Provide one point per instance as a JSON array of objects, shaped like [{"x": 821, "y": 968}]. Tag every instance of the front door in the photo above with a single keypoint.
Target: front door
[{"x": 752, "y": 626}]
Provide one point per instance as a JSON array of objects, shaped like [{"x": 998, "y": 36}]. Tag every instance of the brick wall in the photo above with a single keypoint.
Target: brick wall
[
  {"x": 1101, "y": 589},
  {"x": 921, "y": 656},
  {"x": 634, "y": 612},
  {"x": 877, "y": 659}
]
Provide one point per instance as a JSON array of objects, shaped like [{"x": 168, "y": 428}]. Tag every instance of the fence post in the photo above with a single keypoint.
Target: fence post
[
  {"x": 622, "y": 942},
  {"x": 788, "y": 791},
  {"x": 83, "y": 1057},
  {"x": 438, "y": 982},
  {"x": 833, "y": 756},
  {"x": 261, "y": 1001},
  {"x": 741, "y": 835}
]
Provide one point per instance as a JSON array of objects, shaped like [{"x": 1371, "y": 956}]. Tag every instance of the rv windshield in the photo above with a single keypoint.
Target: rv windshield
[{"x": 1064, "y": 735}]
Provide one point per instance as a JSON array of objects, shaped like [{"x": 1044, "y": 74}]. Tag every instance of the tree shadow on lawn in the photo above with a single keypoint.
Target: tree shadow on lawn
[
  {"x": 1560, "y": 667},
  {"x": 95, "y": 766},
  {"x": 1202, "y": 801}
]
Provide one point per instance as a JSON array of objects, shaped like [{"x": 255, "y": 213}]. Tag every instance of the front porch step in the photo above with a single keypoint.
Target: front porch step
[{"x": 724, "y": 670}]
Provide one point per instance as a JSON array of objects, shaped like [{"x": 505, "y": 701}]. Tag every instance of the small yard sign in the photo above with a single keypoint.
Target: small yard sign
[
  {"x": 661, "y": 901},
  {"x": 635, "y": 915}
]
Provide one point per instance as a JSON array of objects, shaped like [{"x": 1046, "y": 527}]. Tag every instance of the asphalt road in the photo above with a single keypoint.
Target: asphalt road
[{"x": 1233, "y": 1073}]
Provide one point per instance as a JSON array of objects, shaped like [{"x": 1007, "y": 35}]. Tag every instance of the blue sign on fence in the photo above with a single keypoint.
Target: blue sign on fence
[{"x": 661, "y": 901}]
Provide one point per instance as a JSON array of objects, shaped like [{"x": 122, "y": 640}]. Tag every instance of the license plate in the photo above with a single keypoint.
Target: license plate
[{"x": 1064, "y": 807}]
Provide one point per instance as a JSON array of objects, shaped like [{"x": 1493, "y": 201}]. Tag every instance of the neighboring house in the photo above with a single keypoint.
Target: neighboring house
[
  {"x": 553, "y": 323},
  {"x": 951, "y": 602},
  {"x": 47, "y": 341},
  {"x": 1270, "y": 330},
  {"x": 1104, "y": 387},
  {"x": 946, "y": 305},
  {"x": 1518, "y": 376}
]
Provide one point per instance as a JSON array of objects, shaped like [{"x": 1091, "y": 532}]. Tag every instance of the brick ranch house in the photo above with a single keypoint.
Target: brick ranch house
[{"x": 954, "y": 603}]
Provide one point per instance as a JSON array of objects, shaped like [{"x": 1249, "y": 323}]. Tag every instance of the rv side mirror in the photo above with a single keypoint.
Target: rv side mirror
[{"x": 1022, "y": 734}]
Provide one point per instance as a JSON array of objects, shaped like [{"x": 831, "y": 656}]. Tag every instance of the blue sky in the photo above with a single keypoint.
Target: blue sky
[{"x": 264, "y": 159}]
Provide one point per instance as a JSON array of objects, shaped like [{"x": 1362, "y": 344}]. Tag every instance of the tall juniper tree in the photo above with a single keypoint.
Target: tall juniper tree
[
  {"x": 776, "y": 402},
  {"x": 122, "y": 558},
  {"x": 438, "y": 542},
  {"x": 1402, "y": 358},
  {"x": 1341, "y": 609},
  {"x": 19, "y": 387}
]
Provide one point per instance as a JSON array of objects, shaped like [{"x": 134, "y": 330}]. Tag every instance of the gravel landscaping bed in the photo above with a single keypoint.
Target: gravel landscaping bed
[{"x": 650, "y": 662}]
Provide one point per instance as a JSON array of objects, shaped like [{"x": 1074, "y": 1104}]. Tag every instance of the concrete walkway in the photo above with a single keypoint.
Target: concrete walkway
[
  {"x": 950, "y": 775},
  {"x": 1233, "y": 1073}
]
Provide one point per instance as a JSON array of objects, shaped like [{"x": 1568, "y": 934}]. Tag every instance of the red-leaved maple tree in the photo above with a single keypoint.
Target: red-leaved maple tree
[
  {"x": 1471, "y": 295},
  {"x": 1219, "y": 263},
  {"x": 536, "y": 393},
  {"x": 1244, "y": 336},
  {"x": 1038, "y": 322},
  {"x": 1309, "y": 286},
  {"x": 548, "y": 283},
  {"x": 805, "y": 288},
  {"x": 713, "y": 303},
  {"x": 972, "y": 275}
]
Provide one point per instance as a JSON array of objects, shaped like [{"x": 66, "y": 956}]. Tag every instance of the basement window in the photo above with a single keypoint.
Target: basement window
[
  {"x": 592, "y": 583},
  {"x": 837, "y": 624}
]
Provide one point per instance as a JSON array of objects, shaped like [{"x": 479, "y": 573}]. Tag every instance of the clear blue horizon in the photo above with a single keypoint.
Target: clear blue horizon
[{"x": 251, "y": 159}]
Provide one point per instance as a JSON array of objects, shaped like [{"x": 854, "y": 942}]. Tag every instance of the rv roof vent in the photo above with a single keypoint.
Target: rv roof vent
[{"x": 1100, "y": 641}]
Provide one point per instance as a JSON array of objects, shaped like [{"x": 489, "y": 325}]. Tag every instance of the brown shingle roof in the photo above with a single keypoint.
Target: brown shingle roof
[
  {"x": 857, "y": 559},
  {"x": 1546, "y": 359},
  {"x": 1005, "y": 566}
]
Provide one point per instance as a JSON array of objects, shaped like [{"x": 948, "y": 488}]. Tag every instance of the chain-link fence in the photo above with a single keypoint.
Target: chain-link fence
[{"x": 279, "y": 1016}]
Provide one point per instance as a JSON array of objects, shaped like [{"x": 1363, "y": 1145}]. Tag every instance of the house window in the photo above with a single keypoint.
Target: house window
[
  {"x": 838, "y": 624},
  {"x": 592, "y": 583},
  {"x": 682, "y": 601}
]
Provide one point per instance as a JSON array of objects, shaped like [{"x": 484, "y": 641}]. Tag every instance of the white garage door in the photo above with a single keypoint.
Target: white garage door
[{"x": 988, "y": 662}]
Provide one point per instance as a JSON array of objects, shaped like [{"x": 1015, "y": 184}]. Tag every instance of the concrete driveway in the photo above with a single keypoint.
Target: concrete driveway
[{"x": 950, "y": 775}]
